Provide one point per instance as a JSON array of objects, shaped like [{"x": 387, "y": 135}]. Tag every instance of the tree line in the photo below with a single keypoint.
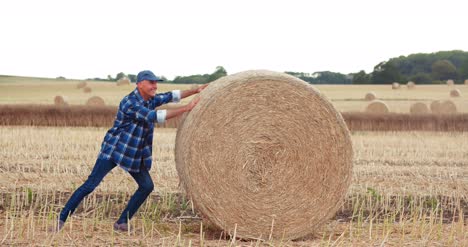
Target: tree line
[{"x": 427, "y": 68}]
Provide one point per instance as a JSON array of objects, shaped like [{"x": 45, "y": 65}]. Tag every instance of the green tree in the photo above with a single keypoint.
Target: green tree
[
  {"x": 463, "y": 71},
  {"x": 119, "y": 76},
  {"x": 420, "y": 78},
  {"x": 361, "y": 78},
  {"x": 443, "y": 70},
  {"x": 386, "y": 72},
  {"x": 219, "y": 72},
  {"x": 132, "y": 77}
]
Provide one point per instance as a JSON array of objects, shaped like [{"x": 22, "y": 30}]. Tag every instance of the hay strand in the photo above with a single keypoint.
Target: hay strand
[
  {"x": 266, "y": 154},
  {"x": 419, "y": 108},
  {"x": 377, "y": 106},
  {"x": 370, "y": 96},
  {"x": 95, "y": 101}
]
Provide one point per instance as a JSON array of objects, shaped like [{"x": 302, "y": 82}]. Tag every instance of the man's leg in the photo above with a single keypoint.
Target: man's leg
[
  {"x": 100, "y": 170},
  {"x": 145, "y": 186}
]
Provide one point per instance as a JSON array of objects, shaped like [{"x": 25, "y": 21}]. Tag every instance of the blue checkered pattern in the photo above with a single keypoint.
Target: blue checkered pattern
[{"x": 129, "y": 142}]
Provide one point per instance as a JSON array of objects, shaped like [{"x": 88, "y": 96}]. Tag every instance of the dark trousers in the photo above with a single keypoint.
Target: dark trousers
[{"x": 100, "y": 170}]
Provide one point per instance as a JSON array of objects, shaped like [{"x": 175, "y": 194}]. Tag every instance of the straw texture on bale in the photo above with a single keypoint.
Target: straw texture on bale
[
  {"x": 87, "y": 89},
  {"x": 447, "y": 107},
  {"x": 455, "y": 93},
  {"x": 435, "y": 106},
  {"x": 370, "y": 96},
  {"x": 377, "y": 106},
  {"x": 450, "y": 82},
  {"x": 410, "y": 85},
  {"x": 123, "y": 81},
  {"x": 60, "y": 100},
  {"x": 395, "y": 85},
  {"x": 419, "y": 108},
  {"x": 81, "y": 84},
  {"x": 264, "y": 153},
  {"x": 95, "y": 101}
]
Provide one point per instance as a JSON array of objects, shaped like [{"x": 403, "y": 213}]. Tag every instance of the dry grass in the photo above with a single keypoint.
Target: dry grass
[{"x": 409, "y": 188}]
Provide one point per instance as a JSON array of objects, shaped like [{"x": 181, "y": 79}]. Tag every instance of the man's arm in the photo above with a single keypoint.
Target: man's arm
[
  {"x": 189, "y": 92},
  {"x": 170, "y": 113}
]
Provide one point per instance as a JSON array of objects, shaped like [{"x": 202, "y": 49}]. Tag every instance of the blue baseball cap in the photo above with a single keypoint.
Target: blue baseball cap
[{"x": 147, "y": 75}]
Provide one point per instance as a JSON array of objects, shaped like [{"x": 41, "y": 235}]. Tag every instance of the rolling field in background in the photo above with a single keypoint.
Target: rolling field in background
[{"x": 408, "y": 187}]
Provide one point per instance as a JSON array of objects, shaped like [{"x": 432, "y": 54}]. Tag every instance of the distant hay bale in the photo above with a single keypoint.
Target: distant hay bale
[
  {"x": 81, "y": 84},
  {"x": 455, "y": 93},
  {"x": 370, "y": 96},
  {"x": 395, "y": 85},
  {"x": 450, "y": 82},
  {"x": 123, "y": 81},
  {"x": 377, "y": 106},
  {"x": 419, "y": 108},
  {"x": 95, "y": 101},
  {"x": 447, "y": 107},
  {"x": 60, "y": 100},
  {"x": 466, "y": 82},
  {"x": 435, "y": 106},
  {"x": 261, "y": 162},
  {"x": 87, "y": 89},
  {"x": 410, "y": 85}
]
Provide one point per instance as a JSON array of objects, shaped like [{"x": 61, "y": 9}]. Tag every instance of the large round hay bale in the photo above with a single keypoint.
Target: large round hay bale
[
  {"x": 419, "y": 108},
  {"x": 435, "y": 106},
  {"x": 123, "y": 81},
  {"x": 370, "y": 96},
  {"x": 81, "y": 84},
  {"x": 466, "y": 82},
  {"x": 455, "y": 93},
  {"x": 60, "y": 100},
  {"x": 95, "y": 101},
  {"x": 264, "y": 154},
  {"x": 395, "y": 85},
  {"x": 87, "y": 89},
  {"x": 447, "y": 107},
  {"x": 410, "y": 85},
  {"x": 377, "y": 106},
  {"x": 450, "y": 82}
]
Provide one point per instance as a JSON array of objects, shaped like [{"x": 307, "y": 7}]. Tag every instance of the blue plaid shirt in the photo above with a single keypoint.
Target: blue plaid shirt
[{"x": 129, "y": 143}]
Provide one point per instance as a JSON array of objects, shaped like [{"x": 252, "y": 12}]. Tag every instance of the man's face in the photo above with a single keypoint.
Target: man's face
[{"x": 147, "y": 88}]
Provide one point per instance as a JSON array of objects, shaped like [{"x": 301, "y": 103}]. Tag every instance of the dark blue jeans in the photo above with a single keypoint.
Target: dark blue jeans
[{"x": 100, "y": 170}]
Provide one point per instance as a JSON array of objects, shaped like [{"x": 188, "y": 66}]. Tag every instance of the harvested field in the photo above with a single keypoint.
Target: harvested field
[
  {"x": 407, "y": 188},
  {"x": 82, "y": 116}
]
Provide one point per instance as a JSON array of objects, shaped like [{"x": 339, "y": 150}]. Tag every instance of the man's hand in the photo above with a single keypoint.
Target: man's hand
[
  {"x": 193, "y": 103},
  {"x": 200, "y": 88}
]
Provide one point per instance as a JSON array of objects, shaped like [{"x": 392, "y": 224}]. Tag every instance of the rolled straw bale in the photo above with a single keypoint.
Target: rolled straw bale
[
  {"x": 448, "y": 107},
  {"x": 60, "y": 100},
  {"x": 435, "y": 106},
  {"x": 123, "y": 81},
  {"x": 370, "y": 96},
  {"x": 377, "y": 106},
  {"x": 450, "y": 82},
  {"x": 95, "y": 101},
  {"x": 395, "y": 85},
  {"x": 81, "y": 84},
  {"x": 466, "y": 82},
  {"x": 87, "y": 89},
  {"x": 455, "y": 93},
  {"x": 419, "y": 108},
  {"x": 264, "y": 154},
  {"x": 410, "y": 85}
]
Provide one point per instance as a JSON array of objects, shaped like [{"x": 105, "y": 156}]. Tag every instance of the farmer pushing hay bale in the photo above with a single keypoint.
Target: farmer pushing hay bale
[{"x": 264, "y": 154}]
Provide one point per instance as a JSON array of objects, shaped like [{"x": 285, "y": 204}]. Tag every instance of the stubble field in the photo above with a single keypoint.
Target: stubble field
[{"x": 408, "y": 188}]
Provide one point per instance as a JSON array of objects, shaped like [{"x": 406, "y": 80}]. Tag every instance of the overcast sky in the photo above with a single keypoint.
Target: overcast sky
[{"x": 87, "y": 39}]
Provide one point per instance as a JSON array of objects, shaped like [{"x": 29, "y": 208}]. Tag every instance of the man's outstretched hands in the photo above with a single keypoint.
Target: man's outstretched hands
[
  {"x": 200, "y": 88},
  {"x": 193, "y": 103}
]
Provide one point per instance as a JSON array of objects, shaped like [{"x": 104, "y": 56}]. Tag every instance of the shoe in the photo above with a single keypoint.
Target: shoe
[{"x": 123, "y": 227}]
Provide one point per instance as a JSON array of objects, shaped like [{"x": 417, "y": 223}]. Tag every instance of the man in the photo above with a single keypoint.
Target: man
[{"x": 128, "y": 143}]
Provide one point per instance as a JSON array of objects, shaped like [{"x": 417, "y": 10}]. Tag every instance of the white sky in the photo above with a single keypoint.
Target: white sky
[{"x": 86, "y": 39}]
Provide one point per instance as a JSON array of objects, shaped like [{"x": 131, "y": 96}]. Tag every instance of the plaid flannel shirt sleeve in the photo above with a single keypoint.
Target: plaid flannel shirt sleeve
[{"x": 135, "y": 110}]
